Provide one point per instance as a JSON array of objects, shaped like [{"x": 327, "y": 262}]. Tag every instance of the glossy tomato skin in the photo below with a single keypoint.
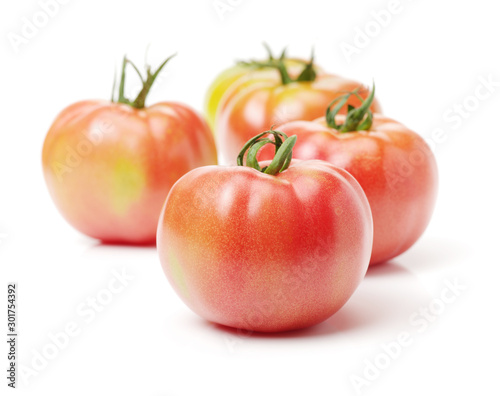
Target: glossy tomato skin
[
  {"x": 252, "y": 107},
  {"x": 394, "y": 166},
  {"x": 109, "y": 167},
  {"x": 266, "y": 253}
]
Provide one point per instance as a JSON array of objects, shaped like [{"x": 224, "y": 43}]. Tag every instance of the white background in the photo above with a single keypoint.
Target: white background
[{"x": 430, "y": 57}]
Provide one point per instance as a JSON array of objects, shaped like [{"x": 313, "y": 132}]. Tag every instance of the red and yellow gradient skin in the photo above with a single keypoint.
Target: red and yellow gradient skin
[
  {"x": 240, "y": 74},
  {"x": 109, "y": 167},
  {"x": 266, "y": 253},
  {"x": 393, "y": 164},
  {"x": 253, "y": 106}
]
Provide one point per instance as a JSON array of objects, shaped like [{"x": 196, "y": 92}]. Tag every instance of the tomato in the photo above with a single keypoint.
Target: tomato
[
  {"x": 218, "y": 87},
  {"x": 393, "y": 164},
  {"x": 269, "y": 249},
  {"x": 110, "y": 165},
  {"x": 244, "y": 72},
  {"x": 248, "y": 108}
]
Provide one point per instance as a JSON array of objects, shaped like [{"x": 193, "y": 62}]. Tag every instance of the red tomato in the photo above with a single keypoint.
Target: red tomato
[
  {"x": 266, "y": 252},
  {"x": 109, "y": 166},
  {"x": 393, "y": 164},
  {"x": 250, "y": 106}
]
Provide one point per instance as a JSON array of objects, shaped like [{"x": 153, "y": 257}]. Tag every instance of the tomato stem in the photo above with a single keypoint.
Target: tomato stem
[
  {"x": 282, "y": 155},
  {"x": 357, "y": 119},
  {"x": 140, "y": 101},
  {"x": 270, "y": 52},
  {"x": 307, "y": 74}
]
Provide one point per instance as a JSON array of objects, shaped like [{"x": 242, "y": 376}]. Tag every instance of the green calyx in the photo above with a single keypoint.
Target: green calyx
[
  {"x": 357, "y": 119},
  {"x": 282, "y": 155},
  {"x": 307, "y": 74},
  {"x": 140, "y": 101}
]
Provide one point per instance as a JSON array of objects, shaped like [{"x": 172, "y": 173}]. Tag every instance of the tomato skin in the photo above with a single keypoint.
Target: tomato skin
[
  {"x": 237, "y": 74},
  {"x": 266, "y": 253},
  {"x": 393, "y": 165},
  {"x": 217, "y": 89},
  {"x": 250, "y": 108},
  {"x": 109, "y": 167}
]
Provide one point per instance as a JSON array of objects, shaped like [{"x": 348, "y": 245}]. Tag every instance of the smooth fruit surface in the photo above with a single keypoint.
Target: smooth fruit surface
[
  {"x": 266, "y": 252},
  {"x": 394, "y": 166},
  {"x": 109, "y": 166},
  {"x": 249, "y": 108}
]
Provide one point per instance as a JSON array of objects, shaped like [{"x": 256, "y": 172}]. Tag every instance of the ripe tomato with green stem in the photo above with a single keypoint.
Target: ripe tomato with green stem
[
  {"x": 249, "y": 108},
  {"x": 109, "y": 165},
  {"x": 393, "y": 164},
  {"x": 266, "y": 247},
  {"x": 245, "y": 72}
]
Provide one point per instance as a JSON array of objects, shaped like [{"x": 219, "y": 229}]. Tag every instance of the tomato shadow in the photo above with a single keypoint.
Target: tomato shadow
[
  {"x": 125, "y": 244},
  {"x": 388, "y": 295},
  {"x": 99, "y": 252},
  {"x": 433, "y": 252},
  {"x": 388, "y": 268}
]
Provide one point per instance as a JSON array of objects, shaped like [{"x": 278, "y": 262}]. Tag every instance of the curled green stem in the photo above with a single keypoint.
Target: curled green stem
[
  {"x": 282, "y": 154},
  {"x": 357, "y": 119}
]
